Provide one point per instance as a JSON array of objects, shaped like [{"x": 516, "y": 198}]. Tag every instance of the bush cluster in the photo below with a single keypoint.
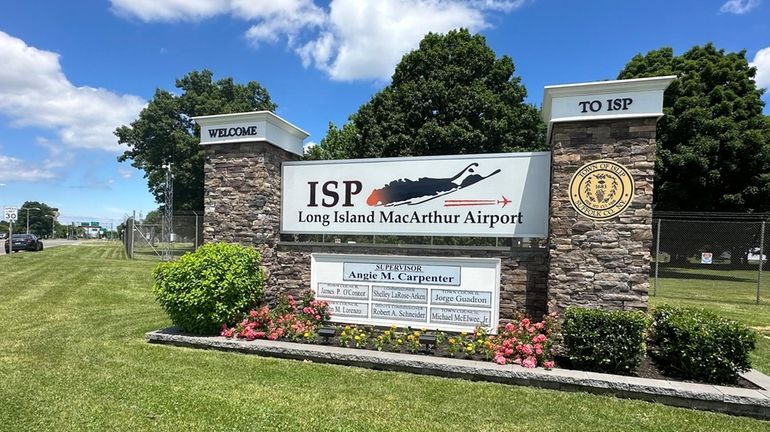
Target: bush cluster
[
  {"x": 698, "y": 344},
  {"x": 605, "y": 341},
  {"x": 296, "y": 321},
  {"x": 523, "y": 342},
  {"x": 217, "y": 283}
]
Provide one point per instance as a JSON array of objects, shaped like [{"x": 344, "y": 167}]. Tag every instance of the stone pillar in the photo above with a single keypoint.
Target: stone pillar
[
  {"x": 242, "y": 187},
  {"x": 602, "y": 137}
]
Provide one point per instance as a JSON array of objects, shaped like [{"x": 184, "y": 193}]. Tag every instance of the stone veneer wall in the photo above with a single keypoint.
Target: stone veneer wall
[
  {"x": 242, "y": 197},
  {"x": 243, "y": 204},
  {"x": 602, "y": 264}
]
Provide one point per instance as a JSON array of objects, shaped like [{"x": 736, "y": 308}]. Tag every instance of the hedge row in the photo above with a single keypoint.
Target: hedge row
[
  {"x": 690, "y": 343},
  {"x": 219, "y": 282}
]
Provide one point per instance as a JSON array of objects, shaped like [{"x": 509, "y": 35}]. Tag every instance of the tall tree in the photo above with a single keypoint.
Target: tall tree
[
  {"x": 450, "y": 96},
  {"x": 164, "y": 132},
  {"x": 40, "y": 218},
  {"x": 713, "y": 140}
]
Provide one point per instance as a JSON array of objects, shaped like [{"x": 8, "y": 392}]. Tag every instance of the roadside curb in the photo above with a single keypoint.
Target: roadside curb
[{"x": 730, "y": 400}]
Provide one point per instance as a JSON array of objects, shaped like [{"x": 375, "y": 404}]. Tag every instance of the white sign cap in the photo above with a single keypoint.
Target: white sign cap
[
  {"x": 250, "y": 127},
  {"x": 632, "y": 98}
]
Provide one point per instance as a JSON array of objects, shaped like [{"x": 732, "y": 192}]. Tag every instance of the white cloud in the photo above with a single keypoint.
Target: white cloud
[
  {"x": 739, "y": 7},
  {"x": 13, "y": 169},
  {"x": 170, "y": 10},
  {"x": 349, "y": 40},
  {"x": 35, "y": 92},
  {"x": 125, "y": 173},
  {"x": 58, "y": 155},
  {"x": 762, "y": 63},
  {"x": 366, "y": 40}
]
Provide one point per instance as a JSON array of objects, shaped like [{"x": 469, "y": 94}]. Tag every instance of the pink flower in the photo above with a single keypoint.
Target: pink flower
[
  {"x": 525, "y": 322},
  {"x": 548, "y": 365},
  {"x": 539, "y": 325},
  {"x": 529, "y": 362},
  {"x": 253, "y": 314},
  {"x": 318, "y": 317},
  {"x": 500, "y": 359},
  {"x": 538, "y": 349},
  {"x": 509, "y": 327},
  {"x": 508, "y": 352}
]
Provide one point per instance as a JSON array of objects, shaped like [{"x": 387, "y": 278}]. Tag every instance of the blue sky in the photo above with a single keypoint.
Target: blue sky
[{"x": 73, "y": 71}]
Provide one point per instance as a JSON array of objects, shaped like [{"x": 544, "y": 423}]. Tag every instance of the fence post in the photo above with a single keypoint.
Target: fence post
[
  {"x": 761, "y": 253},
  {"x": 196, "y": 230},
  {"x": 657, "y": 260}
]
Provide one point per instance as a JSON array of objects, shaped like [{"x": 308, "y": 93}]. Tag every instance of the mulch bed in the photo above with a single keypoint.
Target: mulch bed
[{"x": 650, "y": 369}]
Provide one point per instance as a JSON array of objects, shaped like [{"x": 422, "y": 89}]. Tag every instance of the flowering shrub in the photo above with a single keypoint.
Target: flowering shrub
[
  {"x": 353, "y": 336},
  {"x": 386, "y": 340},
  {"x": 297, "y": 321},
  {"x": 524, "y": 343},
  {"x": 413, "y": 340}
]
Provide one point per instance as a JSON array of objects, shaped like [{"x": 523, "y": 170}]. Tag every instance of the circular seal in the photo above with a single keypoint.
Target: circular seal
[{"x": 601, "y": 189}]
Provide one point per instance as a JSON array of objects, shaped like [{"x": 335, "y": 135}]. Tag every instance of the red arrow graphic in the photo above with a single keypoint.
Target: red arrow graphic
[{"x": 475, "y": 202}]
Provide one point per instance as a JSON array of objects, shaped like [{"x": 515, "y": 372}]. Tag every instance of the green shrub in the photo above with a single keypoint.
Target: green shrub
[
  {"x": 698, "y": 344},
  {"x": 604, "y": 341},
  {"x": 214, "y": 285}
]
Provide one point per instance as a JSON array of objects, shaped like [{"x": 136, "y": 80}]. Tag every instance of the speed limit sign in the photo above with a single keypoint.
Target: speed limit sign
[{"x": 11, "y": 213}]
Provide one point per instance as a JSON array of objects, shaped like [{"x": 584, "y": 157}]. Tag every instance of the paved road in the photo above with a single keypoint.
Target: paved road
[{"x": 47, "y": 244}]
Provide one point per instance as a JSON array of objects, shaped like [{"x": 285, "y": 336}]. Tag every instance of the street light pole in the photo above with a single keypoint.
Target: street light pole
[{"x": 28, "y": 209}]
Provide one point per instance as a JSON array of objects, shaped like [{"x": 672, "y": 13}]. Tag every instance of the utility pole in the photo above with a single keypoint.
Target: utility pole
[{"x": 168, "y": 214}]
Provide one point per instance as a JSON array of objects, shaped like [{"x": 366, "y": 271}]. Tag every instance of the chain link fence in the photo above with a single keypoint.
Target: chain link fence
[
  {"x": 696, "y": 256},
  {"x": 151, "y": 240},
  {"x": 710, "y": 257}
]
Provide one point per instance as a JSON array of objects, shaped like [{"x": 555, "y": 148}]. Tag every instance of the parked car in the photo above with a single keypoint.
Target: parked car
[{"x": 27, "y": 242}]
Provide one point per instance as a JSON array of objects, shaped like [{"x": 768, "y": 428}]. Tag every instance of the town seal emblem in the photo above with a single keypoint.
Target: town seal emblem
[{"x": 601, "y": 189}]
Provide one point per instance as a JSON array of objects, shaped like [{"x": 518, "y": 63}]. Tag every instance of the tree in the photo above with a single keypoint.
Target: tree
[
  {"x": 40, "y": 215},
  {"x": 450, "y": 96},
  {"x": 165, "y": 133},
  {"x": 153, "y": 217},
  {"x": 713, "y": 140}
]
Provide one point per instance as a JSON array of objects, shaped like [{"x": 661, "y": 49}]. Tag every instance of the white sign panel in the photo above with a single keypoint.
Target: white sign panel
[
  {"x": 402, "y": 273},
  {"x": 251, "y": 127},
  {"x": 11, "y": 213},
  {"x": 706, "y": 258},
  {"x": 454, "y": 294},
  {"x": 500, "y": 195},
  {"x": 640, "y": 97},
  {"x": 607, "y": 105}
]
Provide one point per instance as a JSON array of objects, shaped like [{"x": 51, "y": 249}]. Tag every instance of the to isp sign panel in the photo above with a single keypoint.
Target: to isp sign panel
[{"x": 501, "y": 195}]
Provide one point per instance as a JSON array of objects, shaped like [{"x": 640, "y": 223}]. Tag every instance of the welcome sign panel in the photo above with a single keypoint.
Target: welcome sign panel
[
  {"x": 454, "y": 294},
  {"x": 496, "y": 195}
]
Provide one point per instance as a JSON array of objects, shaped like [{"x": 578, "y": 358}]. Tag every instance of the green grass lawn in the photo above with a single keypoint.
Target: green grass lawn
[
  {"x": 730, "y": 293},
  {"x": 72, "y": 357}
]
